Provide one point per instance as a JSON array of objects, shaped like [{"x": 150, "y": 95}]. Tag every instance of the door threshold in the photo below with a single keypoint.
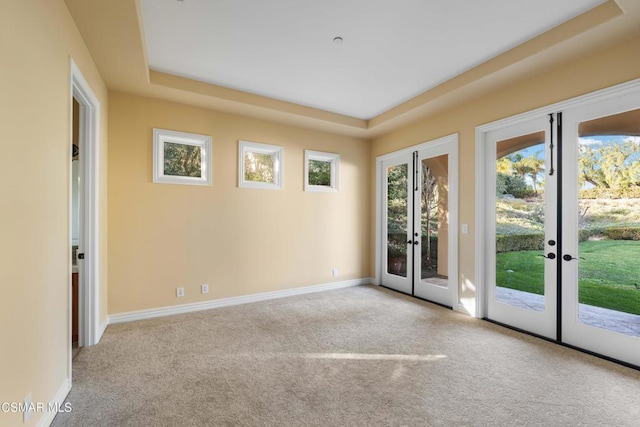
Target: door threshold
[
  {"x": 417, "y": 297},
  {"x": 581, "y": 350}
]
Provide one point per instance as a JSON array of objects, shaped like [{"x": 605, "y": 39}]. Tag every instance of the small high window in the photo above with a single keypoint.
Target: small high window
[
  {"x": 321, "y": 171},
  {"x": 260, "y": 166}
]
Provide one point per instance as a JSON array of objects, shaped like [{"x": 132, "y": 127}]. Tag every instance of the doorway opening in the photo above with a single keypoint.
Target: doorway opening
[
  {"x": 83, "y": 217},
  {"x": 75, "y": 223}
]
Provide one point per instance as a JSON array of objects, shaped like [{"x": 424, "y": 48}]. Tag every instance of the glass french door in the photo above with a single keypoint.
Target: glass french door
[
  {"x": 521, "y": 248},
  {"x": 601, "y": 227},
  {"x": 420, "y": 201},
  {"x": 562, "y": 223},
  {"x": 397, "y": 200}
]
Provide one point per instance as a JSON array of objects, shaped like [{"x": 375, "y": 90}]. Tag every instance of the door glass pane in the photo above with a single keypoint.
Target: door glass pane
[
  {"x": 520, "y": 207},
  {"x": 397, "y": 235},
  {"x": 434, "y": 220},
  {"x": 609, "y": 222}
]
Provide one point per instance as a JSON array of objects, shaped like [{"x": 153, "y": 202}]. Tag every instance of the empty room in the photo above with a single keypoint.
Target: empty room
[{"x": 293, "y": 213}]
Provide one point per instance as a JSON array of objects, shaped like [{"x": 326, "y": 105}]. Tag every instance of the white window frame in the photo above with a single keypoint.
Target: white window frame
[
  {"x": 332, "y": 158},
  {"x": 278, "y": 164},
  {"x": 160, "y": 136}
]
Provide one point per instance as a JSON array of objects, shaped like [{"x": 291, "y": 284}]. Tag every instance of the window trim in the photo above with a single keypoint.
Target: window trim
[
  {"x": 259, "y": 148},
  {"x": 332, "y": 158}
]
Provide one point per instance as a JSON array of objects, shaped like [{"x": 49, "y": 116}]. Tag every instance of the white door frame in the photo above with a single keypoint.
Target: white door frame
[
  {"x": 89, "y": 328},
  {"x": 481, "y": 141},
  {"x": 448, "y": 145}
]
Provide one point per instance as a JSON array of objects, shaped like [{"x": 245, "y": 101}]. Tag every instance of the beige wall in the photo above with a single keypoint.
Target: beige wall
[
  {"x": 38, "y": 39},
  {"x": 239, "y": 241},
  {"x": 616, "y": 64}
]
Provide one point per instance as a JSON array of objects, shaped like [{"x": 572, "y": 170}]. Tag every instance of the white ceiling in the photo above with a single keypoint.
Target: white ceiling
[{"x": 392, "y": 50}]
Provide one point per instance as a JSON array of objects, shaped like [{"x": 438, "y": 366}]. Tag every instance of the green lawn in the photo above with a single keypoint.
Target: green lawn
[{"x": 609, "y": 273}]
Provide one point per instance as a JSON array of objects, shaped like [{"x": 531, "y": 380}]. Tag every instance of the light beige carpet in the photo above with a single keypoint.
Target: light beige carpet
[{"x": 361, "y": 356}]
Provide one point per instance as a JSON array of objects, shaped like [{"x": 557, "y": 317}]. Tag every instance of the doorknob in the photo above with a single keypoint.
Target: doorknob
[
  {"x": 550, "y": 255},
  {"x": 80, "y": 256},
  {"x": 415, "y": 242},
  {"x": 568, "y": 257},
  {"x": 409, "y": 242}
]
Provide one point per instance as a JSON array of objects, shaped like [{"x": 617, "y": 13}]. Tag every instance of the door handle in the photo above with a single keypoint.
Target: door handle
[
  {"x": 409, "y": 242},
  {"x": 550, "y": 255},
  {"x": 568, "y": 257},
  {"x": 415, "y": 242},
  {"x": 80, "y": 256}
]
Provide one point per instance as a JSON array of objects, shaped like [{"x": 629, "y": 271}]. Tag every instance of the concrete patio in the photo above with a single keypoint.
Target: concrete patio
[{"x": 612, "y": 320}]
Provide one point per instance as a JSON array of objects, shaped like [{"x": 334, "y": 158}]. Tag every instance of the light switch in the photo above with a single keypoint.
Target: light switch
[{"x": 465, "y": 228}]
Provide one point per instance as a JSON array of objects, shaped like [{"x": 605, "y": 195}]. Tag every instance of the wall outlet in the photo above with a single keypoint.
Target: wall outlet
[
  {"x": 205, "y": 288},
  {"x": 27, "y": 408},
  {"x": 179, "y": 292},
  {"x": 334, "y": 272}
]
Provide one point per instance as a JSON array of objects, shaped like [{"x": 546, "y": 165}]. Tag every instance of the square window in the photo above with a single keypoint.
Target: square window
[
  {"x": 260, "y": 166},
  {"x": 321, "y": 171},
  {"x": 181, "y": 158}
]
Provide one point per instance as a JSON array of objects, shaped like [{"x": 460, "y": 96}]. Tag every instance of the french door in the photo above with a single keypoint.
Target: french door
[
  {"x": 419, "y": 200},
  {"x": 601, "y": 264},
  {"x": 562, "y": 225},
  {"x": 521, "y": 249}
]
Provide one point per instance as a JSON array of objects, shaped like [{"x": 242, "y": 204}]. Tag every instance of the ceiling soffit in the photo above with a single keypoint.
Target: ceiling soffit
[{"x": 98, "y": 20}]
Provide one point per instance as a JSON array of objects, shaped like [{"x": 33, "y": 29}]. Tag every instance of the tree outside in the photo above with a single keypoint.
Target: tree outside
[
  {"x": 397, "y": 219},
  {"x": 319, "y": 172},
  {"x": 259, "y": 167},
  {"x": 182, "y": 160}
]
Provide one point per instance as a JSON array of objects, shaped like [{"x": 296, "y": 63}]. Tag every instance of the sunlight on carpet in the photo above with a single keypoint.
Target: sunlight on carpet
[{"x": 354, "y": 356}]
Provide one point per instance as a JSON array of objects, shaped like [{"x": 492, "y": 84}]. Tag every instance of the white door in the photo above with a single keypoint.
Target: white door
[
  {"x": 419, "y": 239},
  {"x": 435, "y": 208},
  {"x": 520, "y": 226},
  {"x": 601, "y": 227},
  {"x": 397, "y": 220}
]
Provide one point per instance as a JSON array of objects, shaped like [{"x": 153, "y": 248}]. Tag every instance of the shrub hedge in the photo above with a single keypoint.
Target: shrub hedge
[
  {"x": 622, "y": 233},
  {"x": 585, "y": 234},
  {"x": 611, "y": 193},
  {"x": 519, "y": 242},
  {"x": 524, "y": 194}
]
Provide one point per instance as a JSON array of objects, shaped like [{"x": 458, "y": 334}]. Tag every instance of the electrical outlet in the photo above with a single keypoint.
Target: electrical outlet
[
  {"x": 334, "y": 272},
  {"x": 179, "y": 292},
  {"x": 27, "y": 408},
  {"x": 205, "y": 288}
]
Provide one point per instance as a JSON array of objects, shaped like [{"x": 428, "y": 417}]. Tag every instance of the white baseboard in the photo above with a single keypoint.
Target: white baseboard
[
  {"x": 103, "y": 327},
  {"x": 226, "y": 302},
  {"x": 58, "y": 399}
]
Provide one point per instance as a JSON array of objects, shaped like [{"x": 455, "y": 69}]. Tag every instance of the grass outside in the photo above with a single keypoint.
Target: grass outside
[{"x": 609, "y": 276}]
